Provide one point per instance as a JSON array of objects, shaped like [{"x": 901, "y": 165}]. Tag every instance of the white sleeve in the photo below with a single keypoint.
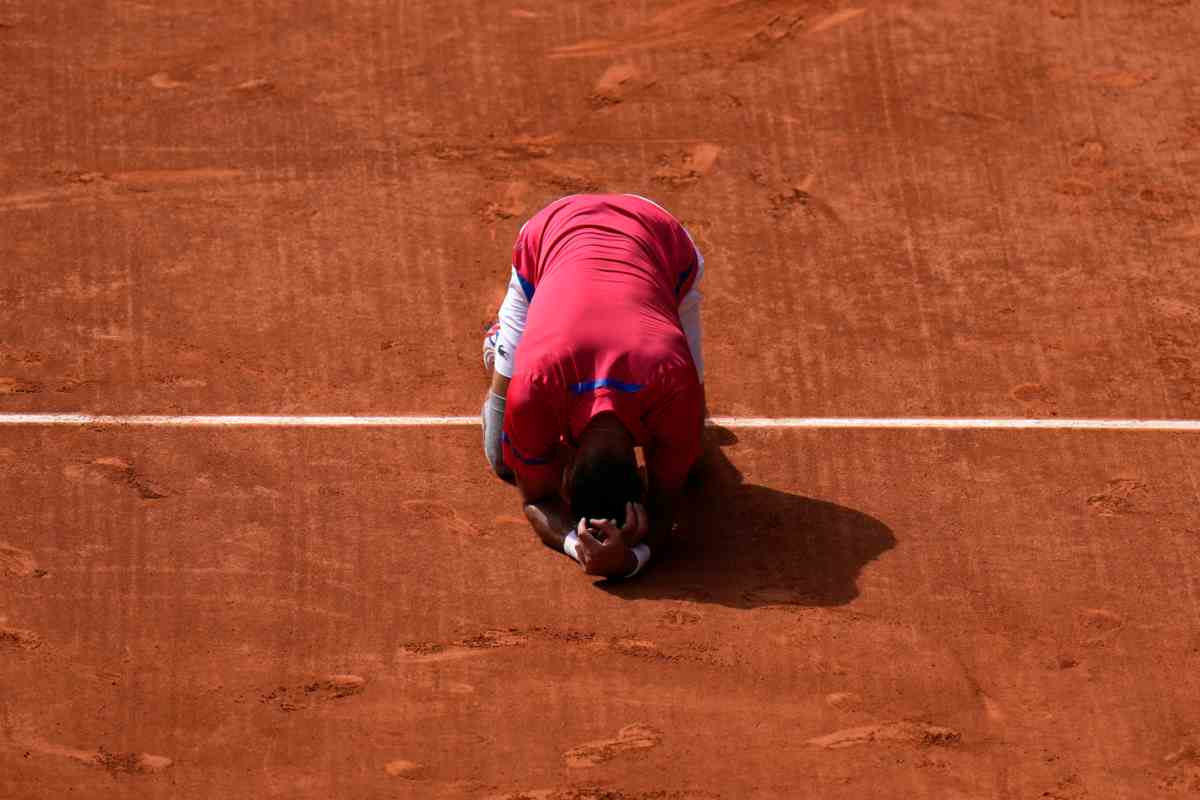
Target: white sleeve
[
  {"x": 512, "y": 325},
  {"x": 689, "y": 316}
]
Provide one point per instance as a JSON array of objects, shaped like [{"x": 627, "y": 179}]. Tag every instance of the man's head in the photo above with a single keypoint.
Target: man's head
[{"x": 604, "y": 475}]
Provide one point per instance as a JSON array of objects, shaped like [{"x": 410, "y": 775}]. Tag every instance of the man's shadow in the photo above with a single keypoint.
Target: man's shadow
[{"x": 743, "y": 545}]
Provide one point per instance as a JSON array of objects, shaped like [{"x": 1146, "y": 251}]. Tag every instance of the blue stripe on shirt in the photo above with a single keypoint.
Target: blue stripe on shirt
[
  {"x": 533, "y": 462},
  {"x": 526, "y": 287},
  {"x": 605, "y": 383}
]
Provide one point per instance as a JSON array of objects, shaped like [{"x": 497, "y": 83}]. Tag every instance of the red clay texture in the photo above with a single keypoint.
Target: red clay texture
[
  {"x": 322, "y": 613},
  {"x": 958, "y": 208},
  {"x": 906, "y": 208}
]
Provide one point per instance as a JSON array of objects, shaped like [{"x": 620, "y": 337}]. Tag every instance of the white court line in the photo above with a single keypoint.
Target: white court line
[{"x": 316, "y": 421}]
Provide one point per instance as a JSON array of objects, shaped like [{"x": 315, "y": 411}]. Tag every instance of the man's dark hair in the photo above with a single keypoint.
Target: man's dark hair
[{"x": 602, "y": 483}]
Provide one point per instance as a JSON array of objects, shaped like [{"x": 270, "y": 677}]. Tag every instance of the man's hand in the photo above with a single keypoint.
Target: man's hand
[
  {"x": 604, "y": 549},
  {"x": 637, "y": 523}
]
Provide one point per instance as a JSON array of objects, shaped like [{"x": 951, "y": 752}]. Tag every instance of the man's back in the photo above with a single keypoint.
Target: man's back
[
  {"x": 607, "y": 272},
  {"x": 604, "y": 275}
]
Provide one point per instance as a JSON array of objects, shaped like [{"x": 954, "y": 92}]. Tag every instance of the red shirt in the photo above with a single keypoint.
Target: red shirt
[{"x": 604, "y": 275}]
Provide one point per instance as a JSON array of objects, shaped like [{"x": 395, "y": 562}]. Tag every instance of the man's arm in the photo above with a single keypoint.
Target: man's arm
[
  {"x": 679, "y": 426},
  {"x": 550, "y": 520},
  {"x": 513, "y": 314},
  {"x": 661, "y": 507},
  {"x": 599, "y": 546},
  {"x": 492, "y": 416},
  {"x": 499, "y": 384},
  {"x": 619, "y": 553},
  {"x": 531, "y": 447}
]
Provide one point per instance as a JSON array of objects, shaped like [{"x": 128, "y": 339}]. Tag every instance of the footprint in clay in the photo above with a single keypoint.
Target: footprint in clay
[
  {"x": 102, "y": 758},
  {"x": 636, "y": 736},
  {"x": 470, "y": 647},
  {"x": 918, "y": 733},
  {"x": 330, "y": 687},
  {"x": 18, "y": 563}
]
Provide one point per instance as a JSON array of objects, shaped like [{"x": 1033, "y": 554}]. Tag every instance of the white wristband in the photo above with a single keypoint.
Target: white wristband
[
  {"x": 642, "y": 553},
  {"x": 571, "y": 545}
]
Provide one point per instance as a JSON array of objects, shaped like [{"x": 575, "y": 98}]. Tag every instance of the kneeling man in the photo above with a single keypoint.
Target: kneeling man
[{"x": 597, "y": 351}]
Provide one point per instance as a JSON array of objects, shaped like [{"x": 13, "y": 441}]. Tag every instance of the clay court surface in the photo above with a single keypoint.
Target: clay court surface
[{"x": 924, "y": 209}]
